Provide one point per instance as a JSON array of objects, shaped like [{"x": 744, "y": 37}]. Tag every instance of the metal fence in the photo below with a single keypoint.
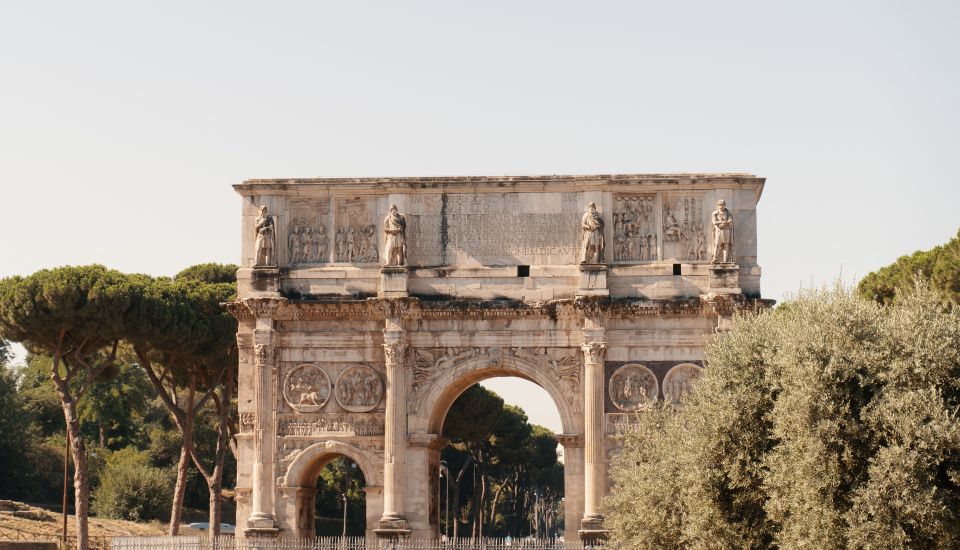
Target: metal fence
[
  {"x": 20, "y": 535},
  {"x": 340, "y": 543}
]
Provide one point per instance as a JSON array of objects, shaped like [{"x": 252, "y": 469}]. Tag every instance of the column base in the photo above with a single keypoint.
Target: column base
[
  {"x": 392, "y": 525},
  {"x": 591, "y": 529}
]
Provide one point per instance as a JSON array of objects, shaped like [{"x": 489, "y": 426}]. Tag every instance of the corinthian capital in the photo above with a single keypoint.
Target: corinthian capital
[
  {"x": 593, "y": 352},
  {"x": 394, "y": 352}
]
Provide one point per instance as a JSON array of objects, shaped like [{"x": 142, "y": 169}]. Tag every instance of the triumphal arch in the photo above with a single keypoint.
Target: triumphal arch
[{"x": 368, "y": 305}]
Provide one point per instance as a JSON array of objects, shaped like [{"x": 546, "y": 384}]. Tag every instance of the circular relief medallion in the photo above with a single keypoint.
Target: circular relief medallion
[
  {"x": 678, "y": 383},
  {"x": 306, "y": 388},
  {"x": 358, "y": 388},
  {"x": 633, "y": 387}
]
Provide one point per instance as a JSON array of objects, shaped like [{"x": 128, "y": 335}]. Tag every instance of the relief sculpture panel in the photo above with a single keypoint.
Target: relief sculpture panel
[
  {"x": 684, "y": 228},
  {"x": 306, "y": 388},
  {"x": 356, "y": 236},
  {"x": 493, "y": 229},
  {"x": 633, "y": 387},
  {"x": 678, "y": 383},
  {"x": 307, "y": 239},
  {"x": 634, "y": 228},
  {"x": 359, "y": 388}
]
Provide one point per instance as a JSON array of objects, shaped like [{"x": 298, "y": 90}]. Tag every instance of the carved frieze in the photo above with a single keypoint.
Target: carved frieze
[
  {"x": 633, "y": 387},
  {"x": 246, "y": 422},
  {"x": 356, "y": 236},
  {"x": 338, "y": 424},
  {"x": 684, "y": 228},
  {"x": 306, "y": 388},
  {"x": 634, "y": 227},
  {"x": 358, "y": 389},
  {"x": 678, "y": 383}
]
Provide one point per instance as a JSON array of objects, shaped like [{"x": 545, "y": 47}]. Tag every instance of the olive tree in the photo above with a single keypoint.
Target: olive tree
[{"x": 830, "y": 422}]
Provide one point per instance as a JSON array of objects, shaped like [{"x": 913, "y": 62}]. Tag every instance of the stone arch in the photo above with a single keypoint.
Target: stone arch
[
  {"x": 453, "y": 381},
  {"x": 306, "y": 466}
]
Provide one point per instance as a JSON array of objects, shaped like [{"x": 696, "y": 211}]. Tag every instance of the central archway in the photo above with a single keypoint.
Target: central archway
[{"x": 558, "y": 372}]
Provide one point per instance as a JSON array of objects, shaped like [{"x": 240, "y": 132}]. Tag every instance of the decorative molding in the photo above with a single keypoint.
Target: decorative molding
[
  {"x": 394, "y": 352},
  {"x": 265, "y": 306},
  {"x": 569, "y": 441}
]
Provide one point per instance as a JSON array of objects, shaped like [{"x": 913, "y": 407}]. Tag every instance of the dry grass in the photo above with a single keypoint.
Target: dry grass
[{"x": 37, "y": 521}]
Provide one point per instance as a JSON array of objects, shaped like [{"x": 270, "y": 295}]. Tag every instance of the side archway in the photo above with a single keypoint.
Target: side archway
[
  {"x": 305, "y": 468},
  {"x": 298, "y": 486}
]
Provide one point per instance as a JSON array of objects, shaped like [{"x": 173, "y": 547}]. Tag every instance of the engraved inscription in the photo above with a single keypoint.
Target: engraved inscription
[{"x": 493, "y": 228}]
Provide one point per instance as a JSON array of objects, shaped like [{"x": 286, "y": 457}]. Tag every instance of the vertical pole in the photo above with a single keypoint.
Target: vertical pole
[{"x": 393, "y": 523}]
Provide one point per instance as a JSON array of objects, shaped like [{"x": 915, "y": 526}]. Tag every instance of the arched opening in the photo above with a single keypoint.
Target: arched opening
[
  {"x": 500, "y": 475},
  {"x": 332, "y": 488},
  {"x": 340, "y": 501}
]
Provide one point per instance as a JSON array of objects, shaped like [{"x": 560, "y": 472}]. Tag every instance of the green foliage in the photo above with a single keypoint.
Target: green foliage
[
  {"x": 831, "y": 423},
  {"x": 940, "y": 267},
  {"x": 131, "y": 489},
  {"x": 501, "y": 465},
  {"x": 339, "y": 477},
  {"x": 15, "y": 434},
  {"x": 209, "y": 273}
]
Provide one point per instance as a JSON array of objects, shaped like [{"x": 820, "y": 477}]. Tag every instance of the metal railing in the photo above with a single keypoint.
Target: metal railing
[{"x": 340, "y": 543}]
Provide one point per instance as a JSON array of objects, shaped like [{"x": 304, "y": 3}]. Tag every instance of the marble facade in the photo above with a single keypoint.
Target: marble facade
[{"x": 372, "y": 303}]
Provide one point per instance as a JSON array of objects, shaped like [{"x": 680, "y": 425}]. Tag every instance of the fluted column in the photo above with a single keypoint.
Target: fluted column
[
  {"x": 393, "y": 522},
  {"x": 595, "y": 460},
  {"x": 262, "y": 519}
]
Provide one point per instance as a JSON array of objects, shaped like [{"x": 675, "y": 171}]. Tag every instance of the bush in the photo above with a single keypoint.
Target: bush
[
  {"x": 830, "y": 422},
  {"x": 133, "y": 490}
]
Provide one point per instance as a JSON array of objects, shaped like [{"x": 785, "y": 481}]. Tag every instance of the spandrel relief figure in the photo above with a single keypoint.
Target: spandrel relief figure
[
  {"x": 265, "y": 242},
  {"x": 591, "y": 251},
  {"x": 395, "y": 237},
  {"x": 722, "y": 222}
]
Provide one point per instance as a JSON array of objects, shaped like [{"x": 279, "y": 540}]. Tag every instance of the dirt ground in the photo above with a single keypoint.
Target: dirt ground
[{"x": 18, "y": 517}]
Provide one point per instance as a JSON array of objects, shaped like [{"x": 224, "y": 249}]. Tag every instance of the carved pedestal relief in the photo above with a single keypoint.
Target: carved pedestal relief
[
  {"x": 684, "y": 228},
  {"x": 306, "y": 388},
  {"x": 633, "y": 387},
  {"x": 634, "y": 228},
  {"x": 678, "y": 383},
  {"x": 356, "y": 237},
  {"x": 359, "y": 389}
]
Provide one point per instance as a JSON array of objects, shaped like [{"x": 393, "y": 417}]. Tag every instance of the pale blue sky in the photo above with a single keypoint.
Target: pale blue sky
[{"x": 123, "y": 124}]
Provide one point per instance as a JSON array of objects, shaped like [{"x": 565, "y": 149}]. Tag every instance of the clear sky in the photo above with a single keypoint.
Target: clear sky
[{"x": 124, "y": 124}]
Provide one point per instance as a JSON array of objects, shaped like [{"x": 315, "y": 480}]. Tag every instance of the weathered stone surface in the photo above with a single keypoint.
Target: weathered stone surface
[{"x": 373, "y": 322}]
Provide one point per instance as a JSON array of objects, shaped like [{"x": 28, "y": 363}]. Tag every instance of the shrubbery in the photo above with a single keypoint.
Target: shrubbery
[
  {"x": 131, "y": 489},
  {"x": 829, "y": 422}
]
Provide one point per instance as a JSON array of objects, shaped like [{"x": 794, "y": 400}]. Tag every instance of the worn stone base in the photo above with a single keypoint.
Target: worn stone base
[
  {"x": 725, "y": 279},
  {"x": 393, "y": 282},
  {"x": 591, "y": 530},
  {"x": 265, "y": 280},
  {"x": 593, "y": 280}
]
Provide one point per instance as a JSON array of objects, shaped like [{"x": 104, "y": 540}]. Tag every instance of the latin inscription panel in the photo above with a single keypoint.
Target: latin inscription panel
[{"x": 493, "y": 229}]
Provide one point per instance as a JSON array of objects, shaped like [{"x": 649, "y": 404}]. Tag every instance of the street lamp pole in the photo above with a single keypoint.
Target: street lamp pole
[{"x": 444, "y": 473}]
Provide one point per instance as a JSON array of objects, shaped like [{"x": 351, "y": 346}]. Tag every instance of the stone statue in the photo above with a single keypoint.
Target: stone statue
[
  {"x": 306, "y": 246},
  {"x": 395, "y": 237},
  {"x": 320, "y": 243},
  {"x": 591, "y": 251},
  {"x": 266, "y": 239},
  {"x": 722, "y": 234}
]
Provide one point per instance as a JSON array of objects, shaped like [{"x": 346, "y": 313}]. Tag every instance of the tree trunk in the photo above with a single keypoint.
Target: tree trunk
[
  {"x": 81, "y": 485},
  {"x": 186, "y": 447},
  {"x": 493, "y": 506}
]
